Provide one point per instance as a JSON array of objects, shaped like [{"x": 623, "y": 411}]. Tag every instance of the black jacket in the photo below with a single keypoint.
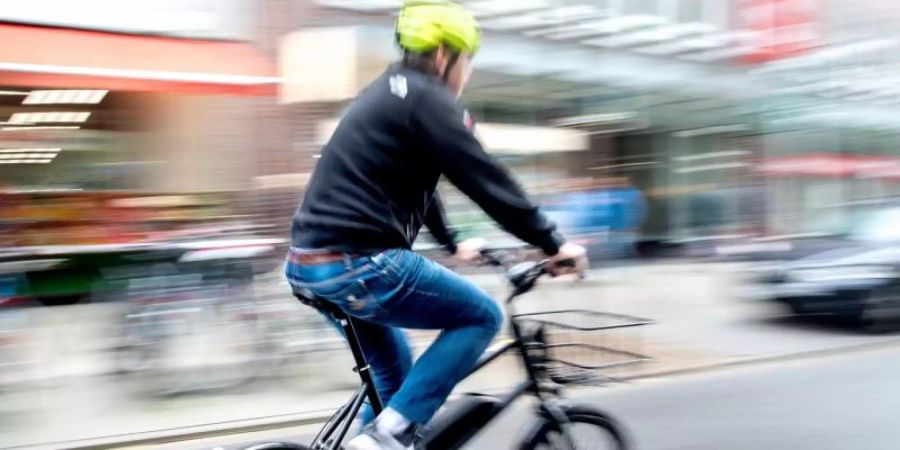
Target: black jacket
[{"x": 374, "y": 186}]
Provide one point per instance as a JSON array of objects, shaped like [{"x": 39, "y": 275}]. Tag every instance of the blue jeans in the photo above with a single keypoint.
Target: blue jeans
[{"x": 400, "y": 289}]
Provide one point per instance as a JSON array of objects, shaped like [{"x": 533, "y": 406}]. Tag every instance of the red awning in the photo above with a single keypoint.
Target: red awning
[{"x": 64, "y": 58}]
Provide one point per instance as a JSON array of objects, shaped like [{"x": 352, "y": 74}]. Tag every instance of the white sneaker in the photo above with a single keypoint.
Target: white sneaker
[{"x": 372, "y": 439}]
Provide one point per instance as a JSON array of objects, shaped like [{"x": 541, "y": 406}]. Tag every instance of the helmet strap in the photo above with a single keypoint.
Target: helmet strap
[
  {"x": 451, "y": 61},
  {"x": 423, "y": 62}
]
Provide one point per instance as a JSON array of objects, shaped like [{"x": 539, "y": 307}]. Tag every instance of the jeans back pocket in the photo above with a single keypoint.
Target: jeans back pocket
[{"x": 354, "y": 297}]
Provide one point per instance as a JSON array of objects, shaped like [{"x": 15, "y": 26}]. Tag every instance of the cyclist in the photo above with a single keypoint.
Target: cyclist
[{"x": 372, "y": 190}]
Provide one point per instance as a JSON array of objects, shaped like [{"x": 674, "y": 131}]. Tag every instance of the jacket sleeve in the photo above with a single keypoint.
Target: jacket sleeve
[
  {"x": 436, "y": 221},
  {"x": 441, "y": 125}
]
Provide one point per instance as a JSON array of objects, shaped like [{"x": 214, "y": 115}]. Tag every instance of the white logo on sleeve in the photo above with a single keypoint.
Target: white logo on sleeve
[{"x": 398, "y": 85}]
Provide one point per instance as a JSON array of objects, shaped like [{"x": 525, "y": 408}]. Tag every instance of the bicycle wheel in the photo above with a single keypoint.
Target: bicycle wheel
[{"x": 589, "y": 429}]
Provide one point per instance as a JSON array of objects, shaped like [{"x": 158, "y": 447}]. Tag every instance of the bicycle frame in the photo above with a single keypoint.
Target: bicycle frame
[
  {"x": 330, "y": 437},
  {"x": 343, "y": 418}
]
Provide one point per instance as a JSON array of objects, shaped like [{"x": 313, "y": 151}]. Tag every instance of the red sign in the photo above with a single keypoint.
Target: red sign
[
  {"x": 778, "y": 28},
  {"x": 825, "y": 165}
]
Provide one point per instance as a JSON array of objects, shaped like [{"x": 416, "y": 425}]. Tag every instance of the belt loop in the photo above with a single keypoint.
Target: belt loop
[{"x": 348, "y": 261}]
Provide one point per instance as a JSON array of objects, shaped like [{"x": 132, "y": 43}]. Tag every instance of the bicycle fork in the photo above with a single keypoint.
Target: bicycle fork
[{"x": 557, "y": 416}]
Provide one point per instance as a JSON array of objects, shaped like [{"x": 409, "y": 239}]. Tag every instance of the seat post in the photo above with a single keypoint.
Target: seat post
[{"x": 362, "y": 366}]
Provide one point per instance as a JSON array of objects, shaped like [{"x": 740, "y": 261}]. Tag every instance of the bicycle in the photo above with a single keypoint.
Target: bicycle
[{"x": 545, "y": 364}]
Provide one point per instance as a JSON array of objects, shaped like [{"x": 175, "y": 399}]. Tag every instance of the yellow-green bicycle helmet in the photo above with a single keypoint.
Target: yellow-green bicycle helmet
[{"x": 424, "y": 25}]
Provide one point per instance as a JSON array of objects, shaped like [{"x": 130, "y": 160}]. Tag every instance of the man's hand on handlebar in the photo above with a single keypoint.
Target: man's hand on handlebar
[
  {"x": 571, "y": 259},
  {"x": 470, "y": 249}
]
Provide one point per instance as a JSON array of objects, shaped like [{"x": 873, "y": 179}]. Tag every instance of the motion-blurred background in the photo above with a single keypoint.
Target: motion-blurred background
[{"x": 152, "y": 153}]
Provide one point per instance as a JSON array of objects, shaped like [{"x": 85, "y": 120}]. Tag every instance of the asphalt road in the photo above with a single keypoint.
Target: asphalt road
[{"x": 845, "y": 402}]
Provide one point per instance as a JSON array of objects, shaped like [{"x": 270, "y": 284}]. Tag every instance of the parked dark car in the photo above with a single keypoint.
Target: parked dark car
[{"x": 857, "y": 279}]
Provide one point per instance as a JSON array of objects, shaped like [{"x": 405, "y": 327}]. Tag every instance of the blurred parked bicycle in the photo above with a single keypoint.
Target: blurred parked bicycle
[{"x": 197, "y": 332}]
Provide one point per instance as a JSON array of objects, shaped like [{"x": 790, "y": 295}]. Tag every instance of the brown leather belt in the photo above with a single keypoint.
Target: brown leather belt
[{"x": 316, "y": 258}]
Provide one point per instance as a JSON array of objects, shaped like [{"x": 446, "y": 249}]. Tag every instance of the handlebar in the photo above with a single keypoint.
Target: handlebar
[
  {"x": 499, "y": 257},
  {"x": 523, "y": 275}
]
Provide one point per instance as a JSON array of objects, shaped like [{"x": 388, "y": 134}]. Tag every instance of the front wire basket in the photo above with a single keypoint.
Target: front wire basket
[{"x": 580, "y": 346}]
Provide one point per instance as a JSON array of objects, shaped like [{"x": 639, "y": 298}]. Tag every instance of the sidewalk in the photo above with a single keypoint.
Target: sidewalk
[{"x": 699, "y": 324}]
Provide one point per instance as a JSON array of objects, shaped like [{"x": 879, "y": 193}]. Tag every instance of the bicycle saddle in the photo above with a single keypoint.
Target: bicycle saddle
[{"x": 312, "y": 300}]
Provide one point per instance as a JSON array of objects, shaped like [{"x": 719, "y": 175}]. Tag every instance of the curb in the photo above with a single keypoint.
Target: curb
[
  {"x": 269, "y": 423},
  {"x": 764, "y": 360},
  {"x": 189, "y": 433}
]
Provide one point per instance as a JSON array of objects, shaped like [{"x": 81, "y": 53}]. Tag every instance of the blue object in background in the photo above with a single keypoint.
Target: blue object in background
[
  {"x": 617, "y": 213},
  {"x": 616, "y": 209}
]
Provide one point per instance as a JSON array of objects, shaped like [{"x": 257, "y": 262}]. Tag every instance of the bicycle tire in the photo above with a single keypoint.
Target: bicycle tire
[
  {"x": 278, "y": 446},
  {"x": 578, "y": 415}
]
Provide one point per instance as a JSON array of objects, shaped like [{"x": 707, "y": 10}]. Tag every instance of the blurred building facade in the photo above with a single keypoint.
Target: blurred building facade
[
  {"x": 740, "y": 117},
  {"x": 731, "y": 117},
  {"x": 155, "y": 99}
]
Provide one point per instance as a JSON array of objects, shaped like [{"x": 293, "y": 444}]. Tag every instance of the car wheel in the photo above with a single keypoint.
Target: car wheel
[
  {"x": 881, "y": 310},
  {"x": 797, "y": 307}
]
